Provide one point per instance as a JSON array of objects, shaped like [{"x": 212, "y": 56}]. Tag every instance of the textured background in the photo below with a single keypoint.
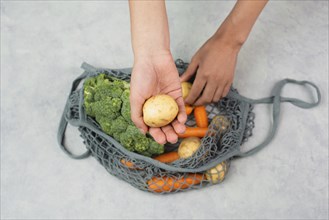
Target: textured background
[{"x": 42, "y": 47}]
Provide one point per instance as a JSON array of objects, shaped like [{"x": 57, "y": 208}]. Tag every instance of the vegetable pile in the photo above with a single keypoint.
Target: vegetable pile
[{"x": 107, "y": 100}]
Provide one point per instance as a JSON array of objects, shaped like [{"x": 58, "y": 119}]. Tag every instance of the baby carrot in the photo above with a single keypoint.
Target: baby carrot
[
  {"x": 193, "y": 132},
  {"x": 128, "y": 164},
  {"x": 188, "y": 109},
  {"x": 200, "y": 115},
  {"x": 167, "y": 157}
]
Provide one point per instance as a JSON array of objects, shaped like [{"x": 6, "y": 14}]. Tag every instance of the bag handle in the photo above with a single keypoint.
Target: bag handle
[
  {"x": 63, "y": 122},
  {"x": 276, "y": 99}
]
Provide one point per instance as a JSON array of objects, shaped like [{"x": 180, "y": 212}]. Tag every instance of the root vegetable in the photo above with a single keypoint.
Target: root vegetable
[
  {"x": 200, "y": 115},
  {"x": 168, "y": 184},
  {"x": 167, "y": 157},
  {"x": 159, "y": 110},
  {"x": 188, "y": 109},
  {"x": 217, "y": 174},
  {"x": 193, "y": 132},
  {"x": 188, "y": 147},
  {"x": 186, "y": 87}
]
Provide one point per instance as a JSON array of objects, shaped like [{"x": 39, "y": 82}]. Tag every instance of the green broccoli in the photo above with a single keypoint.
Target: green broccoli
[
  {"x": 119, "y": 125},
  {"x": 155, "y": 148},
  {"x": 106, "y": 99},
  {"x": 142, "y": 143},
  {"x": 127, "y": 141},
  {"x": 104, "y": 123}
]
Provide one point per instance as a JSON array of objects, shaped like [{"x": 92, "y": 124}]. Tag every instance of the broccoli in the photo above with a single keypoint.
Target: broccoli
[
  {"x": 105, "y": 108},
  {"x": 119, "y": 125},
  {"x": 127, "y": 141},
  {"x": 106, "y": 99}
]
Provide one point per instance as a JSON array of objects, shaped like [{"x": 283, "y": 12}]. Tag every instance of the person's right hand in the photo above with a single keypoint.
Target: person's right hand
[{"x": 153, "y": 75}]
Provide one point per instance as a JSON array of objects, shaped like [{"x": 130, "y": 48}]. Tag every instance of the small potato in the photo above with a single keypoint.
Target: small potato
[
  {"x": 159, "y": 111},
  {"x": 221, "y": 122},
  {"x": 188, "y": 147},
  {"x": 217, "y": 174},
  {"x": 186, "y": 87}
]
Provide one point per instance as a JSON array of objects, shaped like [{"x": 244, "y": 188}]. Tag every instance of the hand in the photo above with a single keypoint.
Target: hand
[
  {"x": 152, "y": 75},
  {"x": 215, "y": 65}
]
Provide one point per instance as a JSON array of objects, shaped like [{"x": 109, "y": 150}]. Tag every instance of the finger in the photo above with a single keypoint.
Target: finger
[
  {"x": 218, "y": 93},
  {"x": 171, "y": 136},
  {"x": 178, "y": 127},
  {"x": 226, "y": 89},
  {"x": 191, "y": 69},
  {"x": 158, "y": 135},
  {"x": 196, "y": 89},
  {"x": 207, "y": 94},
  {"x": 136, "y": 106},
  {"x": 182, "y": 117}
]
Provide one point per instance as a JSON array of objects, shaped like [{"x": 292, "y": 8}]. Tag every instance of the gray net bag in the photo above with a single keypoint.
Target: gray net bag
[{"x": 232, "y": 121}]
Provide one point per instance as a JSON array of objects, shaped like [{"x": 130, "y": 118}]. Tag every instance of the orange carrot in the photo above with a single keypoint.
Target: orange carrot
[
  {"x": 200, "y": 115},
  {"x": 193, "y": 132},
  {"x": 167, "y": 157},
  {"x": 128, "y": 164},
  {"x": 168, "y": 184},
  {"x": 188, "y": 109}
]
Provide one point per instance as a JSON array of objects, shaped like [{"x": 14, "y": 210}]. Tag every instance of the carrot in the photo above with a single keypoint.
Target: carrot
[
  {"x": 200, "y": 115},
  {"x": 193, "y": 132},
  {"x": 168, "y": 184},
  {"x": 167, "y": 157},
  {"x": 128, "y": 164},
  {"x": 188, "y": 109}
]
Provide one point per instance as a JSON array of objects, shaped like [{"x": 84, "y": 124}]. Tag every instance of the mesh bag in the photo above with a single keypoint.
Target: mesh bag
[{"x": 232, "y": 121}]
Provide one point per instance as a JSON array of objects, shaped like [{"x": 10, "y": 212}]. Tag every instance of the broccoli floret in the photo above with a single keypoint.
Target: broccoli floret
[
  {"x": 141, "y": 143},
  {"x": 102, "y": 92},
  {"x": 125, "y": 112},
  {"x": 116, "y": 89},
  {"x": 155, "y": 148},
  {"x": 90, "y": 82},
  {"x": 127, "y": 141},
  {"x": 119, "y": 125},
  {"x": 125, "y": 96},
  {"x": 107, "y": 107},
  {"x": 105, "y": 124},
  {"x": 88, "y": 94},
  {"x": 116, "y": 104},
  {"x": 100, "y": 79},
  {"x": 116, "y": 136},
  {"x": 107, "y": 100},
  {"x": 104, "y": 108}
]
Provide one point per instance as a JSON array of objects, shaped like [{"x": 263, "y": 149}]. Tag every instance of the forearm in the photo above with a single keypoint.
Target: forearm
[
  {"x": 149, "y": 27},
  {"x": 238, "y": 24}
]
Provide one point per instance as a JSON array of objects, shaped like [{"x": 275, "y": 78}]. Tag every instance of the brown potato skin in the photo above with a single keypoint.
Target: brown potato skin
[
  {"x": 159, "y": 110},
  {"x": 188, "y": 147}
]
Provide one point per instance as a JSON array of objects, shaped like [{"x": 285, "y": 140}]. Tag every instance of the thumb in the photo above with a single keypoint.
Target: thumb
[{"x": 191, "y": 69}]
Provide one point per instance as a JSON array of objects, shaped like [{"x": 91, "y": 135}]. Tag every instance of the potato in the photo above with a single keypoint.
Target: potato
[
  {"x": 186, "y": 87},
  {"x": 188, "y": 147},
  {"x": 217, "y": 174},
  {"x": 159, "y": 110},
  {"x": 221, "y": 122}
]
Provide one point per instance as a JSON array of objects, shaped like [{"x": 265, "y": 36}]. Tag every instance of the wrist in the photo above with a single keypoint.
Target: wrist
[
  {"x": 142, "y": 54},
  {"x": 150, "y": 52},
  {"x": 230, "y": 33}
]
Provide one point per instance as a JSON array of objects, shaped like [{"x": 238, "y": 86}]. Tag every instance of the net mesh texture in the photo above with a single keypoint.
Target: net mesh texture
[{"x": 231, "y": 124}]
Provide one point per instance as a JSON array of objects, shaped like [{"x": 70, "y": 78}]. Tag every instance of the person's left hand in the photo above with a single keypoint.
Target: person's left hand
[{"x": 215, "y": 64}]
